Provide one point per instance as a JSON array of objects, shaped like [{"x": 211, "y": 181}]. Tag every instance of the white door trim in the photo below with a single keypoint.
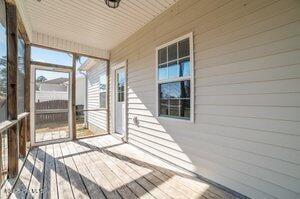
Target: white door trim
[
  {"x": 32, "y": 104},
  {"x": 114, "y": 68}
]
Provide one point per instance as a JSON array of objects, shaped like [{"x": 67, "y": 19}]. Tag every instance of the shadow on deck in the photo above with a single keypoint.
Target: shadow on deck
[{"x": 103, "y": 167}]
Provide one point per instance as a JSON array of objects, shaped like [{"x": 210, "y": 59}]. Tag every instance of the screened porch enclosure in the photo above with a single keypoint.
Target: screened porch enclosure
[
  {"x": 43, "y": 106},
  {"x": 150, "y": 99}
]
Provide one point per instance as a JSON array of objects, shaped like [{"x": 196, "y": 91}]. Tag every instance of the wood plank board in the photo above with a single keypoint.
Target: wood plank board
[
  {"x": 77, "y": 184},
  {"x": 124, "y": 179},
  {"x": 104, "y": 167},
  {"x": 92, "y": 187},
  {"x": 97, "y": 174},
  {"x": 36, "y": 183},
  {"x": 63, "y": 181},
  {"x": 148, "y": 173},
  {"x": 50, "y": 181},
  {"x": 116, "y": 183}
]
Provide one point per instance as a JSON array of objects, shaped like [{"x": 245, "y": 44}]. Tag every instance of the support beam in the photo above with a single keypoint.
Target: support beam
[
  {"x": 1, "y": 158},
  {"x": 107, "y": 96},
  {"x": 27, "y": 88},
  {"x": 12, "y": 66},
  {"x": 22, "y": 137},
  {"x": 75, "y": 56}
]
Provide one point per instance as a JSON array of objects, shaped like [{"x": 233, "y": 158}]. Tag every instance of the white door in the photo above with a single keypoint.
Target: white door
[{"x": 120, "y": 101}]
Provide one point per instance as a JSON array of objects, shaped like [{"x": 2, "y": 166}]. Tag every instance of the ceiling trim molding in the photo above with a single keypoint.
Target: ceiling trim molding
[{"x": 42, "y": 39}]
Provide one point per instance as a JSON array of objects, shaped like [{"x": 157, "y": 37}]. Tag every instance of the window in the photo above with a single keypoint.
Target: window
[
  {"x": 3, "y": 63},
  {"x": 121, "y": 85},
  {"x": 102, "y": 90},
  {"x": 175, "y": 78},
  {"x": 21, "y": 74}
]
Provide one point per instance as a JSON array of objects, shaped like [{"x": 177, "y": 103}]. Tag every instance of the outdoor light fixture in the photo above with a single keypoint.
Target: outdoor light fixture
[{"x": 112, "y": 3}]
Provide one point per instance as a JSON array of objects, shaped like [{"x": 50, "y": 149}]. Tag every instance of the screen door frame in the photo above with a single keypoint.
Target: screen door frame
[{"x": 34, "y": 68}]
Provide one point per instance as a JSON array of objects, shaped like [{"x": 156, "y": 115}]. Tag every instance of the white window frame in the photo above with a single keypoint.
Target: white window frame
[
  {"x": 191, "y": 78},
  {"x": 103, "y": 74}
]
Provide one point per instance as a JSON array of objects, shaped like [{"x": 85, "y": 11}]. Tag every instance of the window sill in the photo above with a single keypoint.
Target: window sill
[{"x": 166, "y": 118}]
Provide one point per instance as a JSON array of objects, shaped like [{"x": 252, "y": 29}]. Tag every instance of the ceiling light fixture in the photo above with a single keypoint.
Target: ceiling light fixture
[{"x": 112, "y": 3}]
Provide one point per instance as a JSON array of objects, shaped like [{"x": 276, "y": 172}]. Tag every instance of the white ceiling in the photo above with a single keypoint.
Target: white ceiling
[{"x": 91, "y": 22}]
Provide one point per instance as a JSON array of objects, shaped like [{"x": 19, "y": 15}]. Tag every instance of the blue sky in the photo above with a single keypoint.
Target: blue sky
[
  {"x": 44, "y": 55},
  {"x": 53, "y": 57}
]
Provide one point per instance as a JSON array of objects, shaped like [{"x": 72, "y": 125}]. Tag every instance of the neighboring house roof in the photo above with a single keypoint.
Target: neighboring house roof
[
  {"x": 88, "y": 64},
  {"x": 56, "y": 81}
]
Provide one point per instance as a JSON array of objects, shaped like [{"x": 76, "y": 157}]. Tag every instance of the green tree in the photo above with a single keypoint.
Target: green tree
[{"x": 41, "y": 79}]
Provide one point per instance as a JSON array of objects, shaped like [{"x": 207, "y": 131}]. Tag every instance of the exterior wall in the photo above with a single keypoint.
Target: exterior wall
[
  {"x": 96, "y": 119},
  {"x": 247, "y": 94},
  {"x": 80, "y": 90}
]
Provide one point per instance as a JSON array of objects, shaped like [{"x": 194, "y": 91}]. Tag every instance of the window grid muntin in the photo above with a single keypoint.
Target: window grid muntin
[{"x": 173, "y": 79}]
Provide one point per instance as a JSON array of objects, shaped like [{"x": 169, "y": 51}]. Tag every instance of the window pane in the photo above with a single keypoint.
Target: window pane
[
  {"x": 164, "y": 91},
  {"x": 179, "y": 89},
  {"x": 51, "y": 56},
  {"x": 174, "y": 107},
  {"x": 102, "y": 83},
  {"x": 121, "y": 81},
  {"x": 184, "y": 67},
  {"x": 173, "y": 70},
  {"x": 21, "y": 75},
  {"x": 174, "y": 99},
  {"x": 103, "y": 100},
  {"x": 174, "y": 89},
  {"x": 185, "y": 89},
  {"x": 185, "y": 108},
  {"x": 121, "y": 97},
  {"x": 164, "y": 107},
  {"x": 162, "y": 55},
  {"x": 162, "y": 72},
  {"x": 3, "y": 63},
  {"x": 184, "y": 48},
  {"x": 172, "y": 52}
]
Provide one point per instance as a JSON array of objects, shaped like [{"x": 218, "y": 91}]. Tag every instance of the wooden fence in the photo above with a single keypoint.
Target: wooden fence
[
  {"x": 41, "y": 96},
  {"x": 51, "y": 111}
]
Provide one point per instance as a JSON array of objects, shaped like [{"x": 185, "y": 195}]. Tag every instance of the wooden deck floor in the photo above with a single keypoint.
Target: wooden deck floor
[{"x": 103, "y": 167}]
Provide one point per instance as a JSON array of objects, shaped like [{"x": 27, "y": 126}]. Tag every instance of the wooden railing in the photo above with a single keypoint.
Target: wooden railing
[{"x": 21, "y": 125}]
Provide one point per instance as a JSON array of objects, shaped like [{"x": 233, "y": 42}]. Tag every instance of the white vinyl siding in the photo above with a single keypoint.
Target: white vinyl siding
[
  {"x": 102, "y": 90},
  {"x": 95, "y": 118},
  {"x": 80, "y": 90},
  {"x": 247, "y": 96}
]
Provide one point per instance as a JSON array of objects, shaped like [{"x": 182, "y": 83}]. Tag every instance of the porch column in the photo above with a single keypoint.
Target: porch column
[
  {"x": 107, "y": 96},
  {"x": 22, "y": 136},
  {"x": 12, "y": 67},
  {"x": 73, "y": 88},
  {"x": 27, "y": 89}
]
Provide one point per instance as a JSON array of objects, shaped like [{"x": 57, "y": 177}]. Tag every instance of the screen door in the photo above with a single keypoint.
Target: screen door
[{"x": 51, "y": 118}]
